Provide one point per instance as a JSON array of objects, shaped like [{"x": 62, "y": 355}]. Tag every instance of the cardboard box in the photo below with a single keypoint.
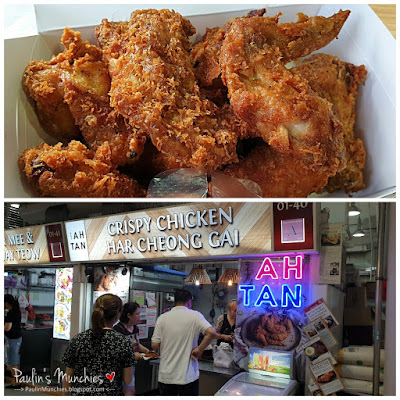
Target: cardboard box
[
  {"x": 358, "y": 317},
  {"x": 356, "y": 44},
  {"x": 356, "y": 313},
  {"x": 356, "y": 297},
  {"x": 370, "y": 291}
]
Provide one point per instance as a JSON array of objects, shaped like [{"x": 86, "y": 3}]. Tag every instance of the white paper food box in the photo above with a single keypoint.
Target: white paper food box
[{"x": 363, "y": 40}]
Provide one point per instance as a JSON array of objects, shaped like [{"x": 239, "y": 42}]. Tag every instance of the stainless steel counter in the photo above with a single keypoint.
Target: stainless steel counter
[
  {"x": 211, "y": 378},
  {"x": 208, "y": 366}
]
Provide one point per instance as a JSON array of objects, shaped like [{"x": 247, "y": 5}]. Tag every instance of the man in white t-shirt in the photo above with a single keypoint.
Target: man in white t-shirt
[{"x": 176, "y": 335}]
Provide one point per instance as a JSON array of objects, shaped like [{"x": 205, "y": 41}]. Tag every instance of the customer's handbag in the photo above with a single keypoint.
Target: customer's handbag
[{"x": 223, "y": 355}]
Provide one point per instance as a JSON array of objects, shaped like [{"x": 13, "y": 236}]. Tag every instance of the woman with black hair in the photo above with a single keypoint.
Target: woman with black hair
[
  {"x": 100, "y": 360},
  {"x": 13, "y": 336},
  {"x": 127, "y": 325}
]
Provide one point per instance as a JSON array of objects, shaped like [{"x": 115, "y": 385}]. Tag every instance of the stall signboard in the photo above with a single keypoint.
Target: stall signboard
[
  {"x": 62, "y": 303},
  {"x": 192, "y": 230},
  {"x": 294, "y": 226},
  {"x": 55, "y": 242},
  {"x": 26, "y": 246},
  {"x": 77, "y": 241},
  {"x": 272, "y": 293},
  {"x": 111, "y": 280}
]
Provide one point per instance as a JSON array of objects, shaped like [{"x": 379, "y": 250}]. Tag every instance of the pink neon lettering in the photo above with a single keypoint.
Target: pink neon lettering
[
  {"x": 266, "y": 268},
  {"x": 297, "y": 267}
]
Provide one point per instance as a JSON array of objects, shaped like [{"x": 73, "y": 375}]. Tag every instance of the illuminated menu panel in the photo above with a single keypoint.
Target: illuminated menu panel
[
  {"x": 267, "y": 362},
  {"x": 62, "y": 304}
]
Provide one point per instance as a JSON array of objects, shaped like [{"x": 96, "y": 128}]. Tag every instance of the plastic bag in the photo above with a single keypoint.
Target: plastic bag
[
  {"x": 357, "y": 386},
  {"x": 223, "y": 355},
  {"x": 23, "y": 301},
  {"x": 359, "y": 355}
]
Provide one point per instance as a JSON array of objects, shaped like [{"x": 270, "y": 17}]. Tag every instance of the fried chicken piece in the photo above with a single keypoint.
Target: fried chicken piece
[
  {"x": 153, "y": 85},
  {"x": 338, "y": 81},
  {"x": 43, "y": 83},
  {"x": 277, "y": 327},
  {"x": 295, "y": 40},
  {"x": 44, "y": 88},
  {"x": 274, "y": 324},
  {"x": 327, "y": 377},
  {"x": 205, "y": 56},
  {"x": 75, "y": 171},
  {"x": 261, "y": 335},
  {"x": 288, "y": 324},
  {"x": 151, "y": 163},
  {"x": 278, "y": 175},
  {"x": 86, "y": 93},
  {"x": 276, "y": 342},
  {"x": 81, "y": 83},
  {"x": 217, "y": 93},
  {"x": 278, "y": 106}
]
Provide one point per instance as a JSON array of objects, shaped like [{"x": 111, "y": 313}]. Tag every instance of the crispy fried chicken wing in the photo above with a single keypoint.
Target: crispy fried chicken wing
[
  {"x": 338, "y": 81},
  {"x": 44, "y": 88},
  {"x": 43, "y": 83},
  {"x": 261, "y": 335},
  {"x": 75, "y": 171},
  {"x": 86, "y": 93},
  {"x": 153, "y": 85},
  {"x": 278, "y": 106},
  {"x": 271, "y": 329},
  {"x": 205, "y": 59},
  {"x": 295, "y": 40},
  {"x": 78, "y": 83},
  {"x": 278, "y": 175},
  {"x": 205, "y": 56}
]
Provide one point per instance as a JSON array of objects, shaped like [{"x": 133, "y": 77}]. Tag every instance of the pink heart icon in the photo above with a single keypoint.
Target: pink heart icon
[{"x": 110, "y": 377}]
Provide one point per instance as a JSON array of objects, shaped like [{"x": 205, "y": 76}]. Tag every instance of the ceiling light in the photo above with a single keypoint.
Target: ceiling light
[
  {"x": 359, "y": 232},
  {"x": 353, "y": 210},
  {"x": 230, "y": 276},
  {"x": 198, "y": 275},
  {"x": 14, "y": 205}
]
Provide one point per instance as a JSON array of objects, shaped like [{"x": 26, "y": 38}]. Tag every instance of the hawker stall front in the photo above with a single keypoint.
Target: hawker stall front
[
  {"x": 37, "y": 273},
  {"x": 282, "y": 266},
  {"x": 273, "y": 252}
]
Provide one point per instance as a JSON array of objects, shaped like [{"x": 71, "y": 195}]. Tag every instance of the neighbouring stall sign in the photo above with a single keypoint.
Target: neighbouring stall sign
[
  {"x": 194, "y": 230},
  {"x": 55, "y": 242},
  {"x": 26, "y": 246}
]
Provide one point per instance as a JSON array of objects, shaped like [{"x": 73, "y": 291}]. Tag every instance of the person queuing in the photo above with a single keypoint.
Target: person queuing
[
  {"x": 127, "y": 325},
  {"x": 99, "y": 360},
  {"x": 176, "y": 335},
  {"x": 12, "y": 336},
  {"x": 225, "y": 325}
]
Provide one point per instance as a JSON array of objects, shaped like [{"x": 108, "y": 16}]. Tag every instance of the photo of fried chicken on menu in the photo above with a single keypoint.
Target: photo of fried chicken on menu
[
  {"x": 249, "y": 100},
  {"x": 270, "y": 330},
  {"x": 327, "y": 377}
]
